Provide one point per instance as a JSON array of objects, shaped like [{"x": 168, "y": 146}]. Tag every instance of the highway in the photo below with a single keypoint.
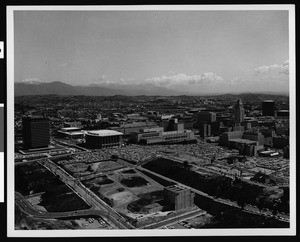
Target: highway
[
  {"x": 46, "y": 158},
  {"x": 29, "y": 209},
  {"x": 173, "y": 220},
  {"x": 87, "y": 195},
  {"x": 100, "y": 208}
]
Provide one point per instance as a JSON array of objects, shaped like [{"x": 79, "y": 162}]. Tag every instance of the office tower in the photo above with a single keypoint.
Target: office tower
[
  {"x": 206, "y": 116},
  {"x": 239, "y": 111},
  {"x": 215, "y": 128},
  {"x": 36, "y": 132},
  {"x": 268, "y": 108}
]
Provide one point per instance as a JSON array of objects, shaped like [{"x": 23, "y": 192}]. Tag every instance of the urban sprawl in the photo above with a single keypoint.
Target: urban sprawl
[{"x": 152, "y": 162}]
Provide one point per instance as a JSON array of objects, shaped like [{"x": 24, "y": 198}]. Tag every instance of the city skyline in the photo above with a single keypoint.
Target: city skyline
[{"x": 203, "y": 51}]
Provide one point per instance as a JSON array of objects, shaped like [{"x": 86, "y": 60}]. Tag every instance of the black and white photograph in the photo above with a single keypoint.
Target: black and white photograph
[{"x": 125, "y": 120}]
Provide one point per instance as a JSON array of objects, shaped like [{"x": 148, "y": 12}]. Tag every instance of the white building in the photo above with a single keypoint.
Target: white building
[{"x": 103, "y": 138}]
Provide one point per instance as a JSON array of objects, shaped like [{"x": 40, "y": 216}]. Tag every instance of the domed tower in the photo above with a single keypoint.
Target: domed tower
[{"x": 239, "y": 111}]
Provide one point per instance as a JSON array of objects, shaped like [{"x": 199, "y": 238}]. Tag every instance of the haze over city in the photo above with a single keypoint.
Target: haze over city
[{"x": 191, "y": 51}]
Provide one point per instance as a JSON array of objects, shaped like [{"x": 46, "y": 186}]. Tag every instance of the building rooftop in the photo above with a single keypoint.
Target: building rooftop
[
  {"x": 70, "y": 128},
  {"x": 178, "y": 132},
  {"x": 139, "y": 124},
  {"x": 104, "y": 132},
  {"x": 31, "y": 117},
  {"x": 176, "y": 188},
  {"x": 268, "y": 152},
  {"x": 75, "y": 133},
  {"x": 245, "y": 141}
]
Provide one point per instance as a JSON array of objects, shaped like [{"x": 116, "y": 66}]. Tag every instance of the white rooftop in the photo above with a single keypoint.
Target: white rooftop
[
  {"x": 69, "y": 128},
  {"x": 76, "y": 133},
  {"x": 104, "y": 132},
  {"x": 71, "y": 133}
]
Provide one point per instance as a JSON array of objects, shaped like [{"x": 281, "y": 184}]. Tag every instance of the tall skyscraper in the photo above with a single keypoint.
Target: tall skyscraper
[
  {"x": 36, "y": 132},
  {"x": 268, "y": 108},
  {"x": 206, "y": 116},
  {"x": 239, "y": 111}
]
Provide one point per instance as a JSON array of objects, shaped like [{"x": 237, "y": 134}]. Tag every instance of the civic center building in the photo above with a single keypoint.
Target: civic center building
[{"x": 103, "y": 138}]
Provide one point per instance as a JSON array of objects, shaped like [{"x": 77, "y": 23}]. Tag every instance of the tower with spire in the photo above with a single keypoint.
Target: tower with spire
[{"x": 239, "y": 111}]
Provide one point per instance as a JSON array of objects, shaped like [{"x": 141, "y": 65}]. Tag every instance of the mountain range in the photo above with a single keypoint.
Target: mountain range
[{"x": 60, "y": 88}]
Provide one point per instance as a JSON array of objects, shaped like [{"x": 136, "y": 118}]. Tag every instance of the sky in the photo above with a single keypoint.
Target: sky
[{"x": 207, "y": 51}]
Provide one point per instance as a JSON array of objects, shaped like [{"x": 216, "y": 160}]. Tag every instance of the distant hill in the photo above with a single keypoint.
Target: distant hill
[
  {"x": 23, "y": 89},
  {"x": 60, "y": 88}
]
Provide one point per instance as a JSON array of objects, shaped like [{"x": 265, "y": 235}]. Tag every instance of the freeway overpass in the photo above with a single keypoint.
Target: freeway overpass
[{"x": 29, "y": 209}]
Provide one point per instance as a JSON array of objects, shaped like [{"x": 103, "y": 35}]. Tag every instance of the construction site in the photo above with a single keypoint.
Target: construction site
[
  {"x": 174, "y": 183},
  {"x": 128, "y": 190}
]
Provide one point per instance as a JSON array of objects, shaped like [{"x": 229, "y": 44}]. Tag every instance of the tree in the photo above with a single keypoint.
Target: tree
[
  {"x": 260, "y": 204},
  {"x": 275, "y": 207},
  {"x": 213, "y": 159},
  {"x": 241, "y": 199},
  {"x": 114, "y": 157},
  {"x": 274, "y": 211},
  {"x": 89, "y": 168}
]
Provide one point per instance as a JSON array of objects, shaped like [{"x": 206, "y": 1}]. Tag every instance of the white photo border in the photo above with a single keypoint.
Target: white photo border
[{"x": 11, "y": 232}]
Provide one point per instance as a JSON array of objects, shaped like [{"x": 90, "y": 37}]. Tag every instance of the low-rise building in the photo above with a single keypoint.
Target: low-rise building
[
  {"x": 70, "y": 133},
  {"x": 248, "y": 143},
  {"x": 129, "y": 128},
  {"x": 283, "y": 114},
  {"x": 269, "y": 153},
  {"x": 103, "y": 138},
  {"x": 157, "y": 135},
  {"x": 280, "y": 141}
]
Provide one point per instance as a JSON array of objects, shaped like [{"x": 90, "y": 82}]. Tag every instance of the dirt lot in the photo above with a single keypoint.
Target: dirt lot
[
  {"x": 82, "y": 169},
  {"x": 123, "y": 189}
]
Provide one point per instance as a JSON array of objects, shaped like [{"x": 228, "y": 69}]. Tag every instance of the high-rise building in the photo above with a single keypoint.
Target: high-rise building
[
  {"x": 215, "y": 128},
  {"x": 203, "y": 129},
  {"x": 268, "y": 108},
  {"x": 206, "y": 116},
  {"x": 239, "y": 111},
  {"x": 36, "y": 132}
]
